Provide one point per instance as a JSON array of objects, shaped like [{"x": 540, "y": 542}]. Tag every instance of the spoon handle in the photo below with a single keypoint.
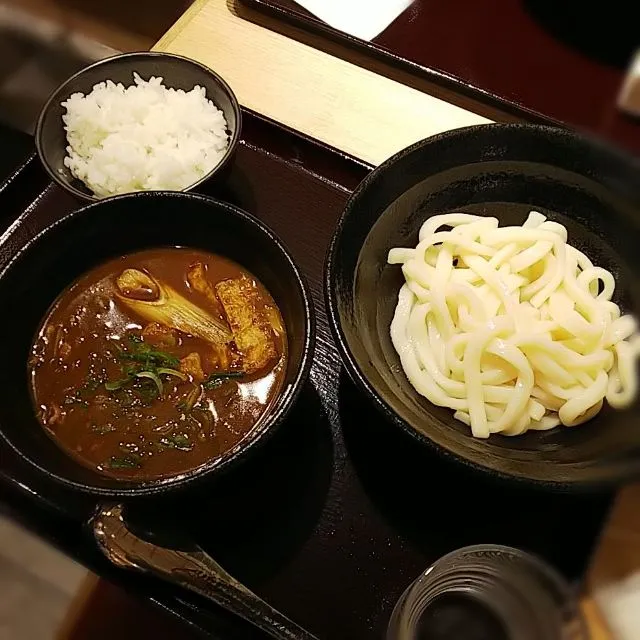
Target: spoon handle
[{"x": 194, "y": 570}]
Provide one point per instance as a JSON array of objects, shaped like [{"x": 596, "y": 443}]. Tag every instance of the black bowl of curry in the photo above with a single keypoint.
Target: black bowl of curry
[{"x": 158, "y": 338}]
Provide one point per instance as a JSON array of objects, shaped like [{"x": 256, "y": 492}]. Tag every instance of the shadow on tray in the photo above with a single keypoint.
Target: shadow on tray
[
  {"x": 440, "y": 505},
  {"x": 253, "y": 519},
  {"x": 234, "y": 187}
]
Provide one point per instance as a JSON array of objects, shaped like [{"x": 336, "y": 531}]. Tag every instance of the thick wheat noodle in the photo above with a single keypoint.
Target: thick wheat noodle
[{"x": 511, "y": 327}]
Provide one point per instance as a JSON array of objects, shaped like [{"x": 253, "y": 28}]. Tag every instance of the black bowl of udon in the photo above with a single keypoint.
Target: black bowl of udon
[
  {"x": 155, "y": 340},
  {"x": 478, "y": 390}
]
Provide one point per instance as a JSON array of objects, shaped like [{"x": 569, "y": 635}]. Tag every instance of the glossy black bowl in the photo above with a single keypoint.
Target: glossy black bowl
[
  {"x": 505, "y": 171},
  {"x": 178, "y": 72},
  {"x": 88, "y": 237}
]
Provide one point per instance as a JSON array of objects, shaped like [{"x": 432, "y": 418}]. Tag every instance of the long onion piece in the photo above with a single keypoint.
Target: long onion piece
[
  {"x": 151, "y": 376},
  {"x": 170, "y": 308}
]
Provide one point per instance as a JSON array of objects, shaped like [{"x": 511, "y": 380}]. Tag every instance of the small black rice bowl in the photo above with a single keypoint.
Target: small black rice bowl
[
  {"x": 177, "y": 72},
  {"x": 46, "y": 265},
  {"x": 504, "y": 171}
]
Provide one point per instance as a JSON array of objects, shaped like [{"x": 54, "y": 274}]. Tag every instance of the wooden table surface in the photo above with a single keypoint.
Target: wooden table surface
[{"x": 364, "y": 109}]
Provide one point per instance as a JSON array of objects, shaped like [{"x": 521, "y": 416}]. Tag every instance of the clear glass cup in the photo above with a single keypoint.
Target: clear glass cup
[{"x": 488, "y": 592}]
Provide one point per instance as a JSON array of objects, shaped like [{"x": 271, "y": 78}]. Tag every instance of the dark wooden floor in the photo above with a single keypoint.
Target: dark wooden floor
[
  {"x": 121, "y": 24},
  {"x": 37, "y": 585},
  {"x": 36, "y": 55},
  {"x": 42, "y": 42}
]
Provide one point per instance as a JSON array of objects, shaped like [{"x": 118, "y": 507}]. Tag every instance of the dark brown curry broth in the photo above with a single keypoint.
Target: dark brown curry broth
[{"x": 159, "y": 439}]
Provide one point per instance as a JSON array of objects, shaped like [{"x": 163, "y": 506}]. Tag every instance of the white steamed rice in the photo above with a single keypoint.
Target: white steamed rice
[{"x": 142, "y": 137}]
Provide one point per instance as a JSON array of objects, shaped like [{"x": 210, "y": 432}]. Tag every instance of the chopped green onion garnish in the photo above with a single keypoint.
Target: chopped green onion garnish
[
  {"x": 151, "y": 376},
  {"x": 172, "y": 372},
  {"x": 177, "y": 441},
  {"x": 219, "y": 378},
  {"x": 130, "y": 461},
  {"x": 116, "y": 384},
  {"x": 188, "y": 403}
]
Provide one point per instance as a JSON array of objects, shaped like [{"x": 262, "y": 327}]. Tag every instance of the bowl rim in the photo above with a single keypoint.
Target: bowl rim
[
  {"x": 234, "y": 139},
  {"x": 272, "y": 419},
  {"x": 600, "y": 483}
]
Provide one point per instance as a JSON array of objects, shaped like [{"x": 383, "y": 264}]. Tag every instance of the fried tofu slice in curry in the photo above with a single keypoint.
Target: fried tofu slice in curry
[
  {"x": 226, "y": 358},
  {"x": 252, "y": 331}
]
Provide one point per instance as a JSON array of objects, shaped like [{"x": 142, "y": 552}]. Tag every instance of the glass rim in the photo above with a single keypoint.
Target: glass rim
[
  {"x": 526, "y": 556},
  {"x": 446, "y": 576}
]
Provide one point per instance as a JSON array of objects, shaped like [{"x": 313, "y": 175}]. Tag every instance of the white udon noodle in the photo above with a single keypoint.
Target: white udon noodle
[{"x": 511, "y": 327}]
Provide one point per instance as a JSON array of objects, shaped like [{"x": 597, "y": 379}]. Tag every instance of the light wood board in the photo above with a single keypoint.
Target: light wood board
[{"x": 360, "y": 112}]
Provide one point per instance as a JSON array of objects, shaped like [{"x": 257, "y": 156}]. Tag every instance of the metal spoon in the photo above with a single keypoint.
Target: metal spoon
[{"x": 194, "y": 570}]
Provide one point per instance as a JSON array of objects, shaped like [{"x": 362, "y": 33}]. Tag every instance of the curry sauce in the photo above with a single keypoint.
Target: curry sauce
[{"x": 157, "y": 362}]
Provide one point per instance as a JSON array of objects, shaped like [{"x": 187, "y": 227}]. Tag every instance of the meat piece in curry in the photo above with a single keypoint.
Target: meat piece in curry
[
  {"x": 191, "y": 365},
  {"x": 158, "y": 362},
  {"x": 160, "y": 336},
  {"x": 199, "y": 281}
]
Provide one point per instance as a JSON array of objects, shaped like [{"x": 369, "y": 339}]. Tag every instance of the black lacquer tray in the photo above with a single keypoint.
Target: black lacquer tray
[
  {"x": 17, "y": 150},
  {"x": 339, "y": 512}
]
